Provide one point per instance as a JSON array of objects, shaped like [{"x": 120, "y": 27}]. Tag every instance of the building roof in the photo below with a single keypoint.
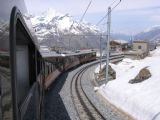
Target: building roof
[
  {"x": 54, "y": 54},
  {"x": 140, "y": 41},
  {"x": 120, "y": 41}
]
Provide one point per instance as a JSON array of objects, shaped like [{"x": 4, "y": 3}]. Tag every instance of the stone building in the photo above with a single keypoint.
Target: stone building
[{"x": 141, "y": 46}]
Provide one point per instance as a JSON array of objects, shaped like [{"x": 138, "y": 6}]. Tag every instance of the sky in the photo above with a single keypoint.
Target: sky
[{"x": 130, "y": 16}]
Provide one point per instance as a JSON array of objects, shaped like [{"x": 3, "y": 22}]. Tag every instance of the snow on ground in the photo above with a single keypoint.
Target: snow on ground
[
  {"x": 98, "y": 68},
  {"x": 140, "y": 100}
]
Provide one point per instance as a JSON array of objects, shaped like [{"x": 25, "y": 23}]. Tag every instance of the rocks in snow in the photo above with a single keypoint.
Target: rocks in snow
[
  {"x": 144, "y": 74},
  {"x": 112, "y": 73}
]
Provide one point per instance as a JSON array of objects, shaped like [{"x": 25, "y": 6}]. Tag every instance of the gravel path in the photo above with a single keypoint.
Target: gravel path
[
  {"x": 59, "y": 105},
  {"x": 54, "y": 106}
]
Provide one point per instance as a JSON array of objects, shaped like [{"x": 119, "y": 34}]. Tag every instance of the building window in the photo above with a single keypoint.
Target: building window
[{"x": 139, "y": 47}]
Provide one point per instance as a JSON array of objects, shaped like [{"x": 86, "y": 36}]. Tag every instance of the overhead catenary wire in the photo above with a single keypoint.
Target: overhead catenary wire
[
  {"x": 71, "y": 27},
  {"x": 82, "y": 15},
  {"x": 107, "y": 13},
  {"x": 85, "y": 11}
]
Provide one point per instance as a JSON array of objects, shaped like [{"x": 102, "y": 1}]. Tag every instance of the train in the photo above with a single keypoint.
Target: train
[
  {"x": 25, "y": 72},
  {"x": 58, "y": 63}
]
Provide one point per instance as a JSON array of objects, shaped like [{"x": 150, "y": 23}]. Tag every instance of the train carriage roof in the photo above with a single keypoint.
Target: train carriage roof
[{"x": 54, "y": 54}]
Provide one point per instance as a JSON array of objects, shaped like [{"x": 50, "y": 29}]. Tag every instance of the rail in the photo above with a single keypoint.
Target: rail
[{"x": 84, "y": 107}]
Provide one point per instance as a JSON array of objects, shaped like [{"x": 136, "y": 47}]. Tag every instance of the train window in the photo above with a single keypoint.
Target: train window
[
  {"x": 25, "y": 56},
  {"x": 53, "y": 67},
  {"x": 22, "y": 72},
  {"x": 0, "y": 100},
  {"x": 57, "y": 59},
  {"x": 38, "y": 64},
  {"x": 48, "y": 68},
  {"x": 45, "y": 69},
  {"x": 67, "y": 60}
]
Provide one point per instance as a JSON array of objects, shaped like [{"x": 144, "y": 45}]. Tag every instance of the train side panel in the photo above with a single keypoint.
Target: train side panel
[
  {"x": 65, "y": 63},
  {"x": 18, "y": 64}
]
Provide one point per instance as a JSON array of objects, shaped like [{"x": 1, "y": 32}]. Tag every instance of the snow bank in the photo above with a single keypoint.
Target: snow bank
[
  {"x": 141, "y": 100},
  {"x": 98, "y": 68}
]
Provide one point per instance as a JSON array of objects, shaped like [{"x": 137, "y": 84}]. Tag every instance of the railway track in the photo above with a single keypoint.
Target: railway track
[{"x": 84, "y": 107}]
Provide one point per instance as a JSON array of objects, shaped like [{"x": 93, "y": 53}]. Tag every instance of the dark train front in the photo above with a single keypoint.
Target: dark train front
[{"x": 24, "y": 72}]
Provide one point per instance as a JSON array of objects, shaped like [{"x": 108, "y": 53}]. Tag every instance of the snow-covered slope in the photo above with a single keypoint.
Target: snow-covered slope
[
  {"x": 52, "y": 26},
  {"x": 141, "y": 100}
]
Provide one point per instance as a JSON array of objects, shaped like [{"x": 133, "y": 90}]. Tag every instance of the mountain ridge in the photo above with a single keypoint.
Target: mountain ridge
[
  {"x": 56, "y": 29},
  {"x": 53, "y": 28}
]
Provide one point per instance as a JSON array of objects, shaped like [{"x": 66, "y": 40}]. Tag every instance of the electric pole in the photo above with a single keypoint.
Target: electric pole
[
  {"x": 100, "y": 53},
  {"x": 108, "y": 43}
]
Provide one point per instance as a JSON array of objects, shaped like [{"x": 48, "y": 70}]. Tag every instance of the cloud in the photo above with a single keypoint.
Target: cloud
[
  {"x": 75, "y": 7},
  {"x": 155, "y": 18},
  {"x": 129, "y": 15}
]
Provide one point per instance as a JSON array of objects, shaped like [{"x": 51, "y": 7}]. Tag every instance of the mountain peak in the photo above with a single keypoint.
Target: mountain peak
[
  {"x": 51, "y": 26},
  {"x": 51, "y": 20},
  {"x": 50, "y": 14}
]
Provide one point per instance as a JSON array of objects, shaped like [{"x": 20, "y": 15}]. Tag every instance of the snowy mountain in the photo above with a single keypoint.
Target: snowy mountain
[
  {"x": 56, "y": 29},
  {"x": 151, "y": 34}
]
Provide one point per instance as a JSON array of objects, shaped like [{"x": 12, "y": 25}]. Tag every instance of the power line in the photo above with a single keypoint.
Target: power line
[
  {"x": 107, "y": 13},
  {"x": 80, "y": 19},
  {"x": 85, "y": 11},
  {"x": 112, "y": 2},
  {"x": 82, "y": 15}
]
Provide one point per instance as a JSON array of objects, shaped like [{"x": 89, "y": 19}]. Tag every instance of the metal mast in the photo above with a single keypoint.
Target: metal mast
[
  {"x": 100, "y": 53},
  {"x": 108, "y": 43}
]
